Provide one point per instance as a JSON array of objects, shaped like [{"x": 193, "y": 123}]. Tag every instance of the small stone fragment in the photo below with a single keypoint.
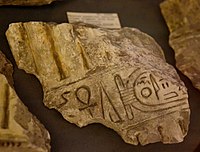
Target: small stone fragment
[
  {"x": 118, "y": 78},
  {"x": 183, "y": 20},
  {"x": 20, "y": 131},
  {"x": 6, "y": 68},
  {"x": 25, "y": 2}
]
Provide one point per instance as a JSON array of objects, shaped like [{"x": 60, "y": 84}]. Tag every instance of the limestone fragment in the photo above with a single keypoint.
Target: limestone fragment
[
  {"x": 20, "y": 131},
  {"x": 118, "y": 78},
  {"x": 25, "y": 2},
  {"x": 6, "y": 68},
  {"x": 183, "y": 20}
]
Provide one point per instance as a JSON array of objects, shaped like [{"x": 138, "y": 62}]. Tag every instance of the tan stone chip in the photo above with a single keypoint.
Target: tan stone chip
[
  {"x": 25, "y": 2},
  {"x": 118, "y": 78},
  {"x": 183, "y": 20},
  {"x": 20, "y": 131},
  {"x": 6, "y": 68}
]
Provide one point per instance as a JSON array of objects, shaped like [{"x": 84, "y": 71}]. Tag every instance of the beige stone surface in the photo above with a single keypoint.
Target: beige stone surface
[
  {"x": 6, "y": 68},
  {"x": 183, "y": 20},
  {"x": 25, "y": 2},
  {"x": 118, "y": 78},
  {"x": 20, "y": 131}
]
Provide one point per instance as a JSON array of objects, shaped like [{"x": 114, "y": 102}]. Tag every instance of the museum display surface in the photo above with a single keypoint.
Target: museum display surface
[{"x": 107, "y": 82}]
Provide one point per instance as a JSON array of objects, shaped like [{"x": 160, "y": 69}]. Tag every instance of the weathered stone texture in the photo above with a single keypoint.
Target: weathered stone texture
[
  {"x": 183, "y": 20},
  {"x": 20, "y": 131},
  {"x": 6, "y": 68},
  {"x": 115, "y": 77},
  {"x": 25, "y": 2}
]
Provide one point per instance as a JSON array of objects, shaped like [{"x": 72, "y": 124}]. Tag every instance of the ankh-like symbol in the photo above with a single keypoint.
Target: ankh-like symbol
[{"x": 83, "y": 95}]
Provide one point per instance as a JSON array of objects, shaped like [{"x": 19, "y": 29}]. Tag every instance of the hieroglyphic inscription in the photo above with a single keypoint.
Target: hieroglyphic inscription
[
  {"x": 170, "y": 95},
  {"x": 83, "y": 95},
  {"x": 65, "y": 99},
  {"x": 146, "y": 87},
  {"x": 160, "y": 92},
  {"x": 127, "y": 96},
  {"x": 118, "y": 82},
  {"x": 108, "y": 109},
  {"x": 109, "y": 112},
  {"x": 139, "y": 92},
  {"x": 148, "y": 93}
]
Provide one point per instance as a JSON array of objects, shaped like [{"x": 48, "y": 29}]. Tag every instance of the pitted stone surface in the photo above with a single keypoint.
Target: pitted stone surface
[
  {"x": 183, "y": 20},
  {"x": 118, "y": 78}
]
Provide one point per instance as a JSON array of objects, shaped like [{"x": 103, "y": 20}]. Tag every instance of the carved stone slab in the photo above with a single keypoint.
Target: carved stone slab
[
  {"x": 183, "y": 20},
  {"x": 25, "y": 2},
  {"x": 118, "y": 78},
  {"x": 20, "y": 131}
]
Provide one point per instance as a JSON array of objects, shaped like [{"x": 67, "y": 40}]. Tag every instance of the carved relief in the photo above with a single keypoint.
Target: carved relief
[
  {"x": 127, "y": 96},
  {"x": 148, "y": 88},
  {"x": 83, "y": 95},
  {"x": 17, "y": 134},
  {"x": 109, "y": 111},
  {"x": 124, "y": 83}
]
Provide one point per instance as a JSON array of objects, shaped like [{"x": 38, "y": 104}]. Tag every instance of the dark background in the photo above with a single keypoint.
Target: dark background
[{"x": 142, "y": 14}]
